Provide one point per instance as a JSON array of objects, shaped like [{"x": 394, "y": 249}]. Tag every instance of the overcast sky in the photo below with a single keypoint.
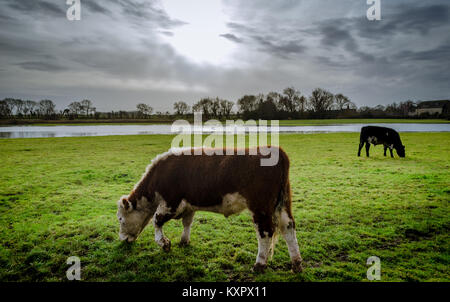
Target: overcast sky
[{"x": 125, "y": 52}]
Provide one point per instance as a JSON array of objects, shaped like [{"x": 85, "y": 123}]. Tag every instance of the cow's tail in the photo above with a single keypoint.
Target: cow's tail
[
  {"x": 283, "y": 201},
  {"x": 284, "y": 195}
]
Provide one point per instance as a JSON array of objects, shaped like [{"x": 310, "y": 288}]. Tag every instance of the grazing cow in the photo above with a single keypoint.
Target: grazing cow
[
  {"x": 176, "y": 186},
  {"x": 381, "y": 135}
]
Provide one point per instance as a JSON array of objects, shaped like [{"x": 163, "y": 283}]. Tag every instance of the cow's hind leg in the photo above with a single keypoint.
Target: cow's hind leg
[
  {"x": 385, "y": 149},
  {"x": 264, "y": 232},
  {"x": 188, "y": 217},
  {"x": 287, "y": 227},
  {"x": 361, "y": 145},
  {"x": 367, "y": 149}
]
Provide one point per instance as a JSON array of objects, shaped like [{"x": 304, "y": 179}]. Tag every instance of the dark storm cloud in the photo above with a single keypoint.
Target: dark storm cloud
[
  {"x": 400, "y": 20},
  {"x": 240, "y": 27},
  {"x": 120, "y": 52},
  {"x": 98, "y": 49},
  {"x": 11, "y": 47},
  {"x": 282, "y": 45},
  {"x": 277, "y": 47},
  {"x": 40, "y": 66},
  {"x": 333, "y": 34},
  {"x": 345, "y": 32},
  {"x": 440, "y": 54},
  {"x": 148, "y": 11},
  {"x": 232, "y": 38},
  {"x": 408, "y": 47},
  {"x": 167, "y": 33},
  {"x": 36, "y": 6},
  {"x": 96, "y": 6},
  {"x": 406, "y": 19}
]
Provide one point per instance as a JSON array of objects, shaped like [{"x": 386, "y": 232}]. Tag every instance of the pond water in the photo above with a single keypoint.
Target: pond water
[{"x": 103, "y": 130}]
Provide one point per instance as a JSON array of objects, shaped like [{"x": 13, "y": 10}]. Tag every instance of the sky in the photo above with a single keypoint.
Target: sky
[{"x": 125, "y": 52}]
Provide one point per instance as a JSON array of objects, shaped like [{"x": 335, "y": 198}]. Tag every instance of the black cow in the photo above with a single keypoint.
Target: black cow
[{"x": 381, "y": 135}]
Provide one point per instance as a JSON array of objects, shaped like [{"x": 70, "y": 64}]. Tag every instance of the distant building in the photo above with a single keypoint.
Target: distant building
[{"x": 440, "y": 107}]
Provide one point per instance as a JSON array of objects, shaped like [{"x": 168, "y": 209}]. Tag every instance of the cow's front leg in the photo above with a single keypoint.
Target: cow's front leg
[
  {"x": 390, "y": 150},
  {"x": 264, "y": 232},
  {"x": 160, "y": 239},
  {"x": 367, "y": 149},
  {"x": 188, "y": 217},
  {"x": 385, "y": 149},
  {"x": 162, "y": 215}
]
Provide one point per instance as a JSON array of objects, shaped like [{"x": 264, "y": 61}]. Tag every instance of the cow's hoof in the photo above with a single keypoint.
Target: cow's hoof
[
  {"x": 183, "y": 243},
  {"x": 259, "y": 268},
  {"x": 297, "y": 266},
  {"x": 166, "y": 245}
]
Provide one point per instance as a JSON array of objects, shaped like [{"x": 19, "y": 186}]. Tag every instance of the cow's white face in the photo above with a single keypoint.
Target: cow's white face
[{"x": 132, "y": 220}]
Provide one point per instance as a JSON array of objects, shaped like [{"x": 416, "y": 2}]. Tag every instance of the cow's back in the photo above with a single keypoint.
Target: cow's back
[
  {"x": 382, "y": 134},
  {"x": 203, "y": 180}
]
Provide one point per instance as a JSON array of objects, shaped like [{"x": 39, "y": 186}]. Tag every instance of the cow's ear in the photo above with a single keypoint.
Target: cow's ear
[{"x": 127, "y": 205}]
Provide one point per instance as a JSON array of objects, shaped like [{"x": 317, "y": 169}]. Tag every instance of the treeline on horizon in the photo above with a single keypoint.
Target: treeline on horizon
[{"x": 290, "y": 104}]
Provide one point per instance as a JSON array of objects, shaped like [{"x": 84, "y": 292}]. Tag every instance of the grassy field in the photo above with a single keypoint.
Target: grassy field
[
  {"x": 306, "y": 122},
  {"x": 58, "y": 199}
]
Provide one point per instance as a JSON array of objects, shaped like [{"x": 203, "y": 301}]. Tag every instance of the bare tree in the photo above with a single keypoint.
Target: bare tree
[
  {"x": 302, "y": 103},
  {"x": 144, "y": 109},
  {"x": 321, "y": 100},
  {"x": 225, "y": 108},
  {"x": 8, "y": 106},
  {"x": 268, "y": 109},
  {"x": 86, "y": 106},
  {"x": 341, "y": 101},
  {"x": 75, "y": 108},
  {"x": 290, "y": 100},
  {"x": 46, "y": 108},
  {"x": 247, "y": 104},
  {"x": 215, "y": 107},
  {"x": 181, "y": 108},
  {"x": 18, "y": 104},
  {"x": 5, "y": 110},
  {"x": 30, "y": 107},
  {"x": 274, "y": 98},
  {"x": 204, "y": 106},
  {"x": 406, "y": 107}
]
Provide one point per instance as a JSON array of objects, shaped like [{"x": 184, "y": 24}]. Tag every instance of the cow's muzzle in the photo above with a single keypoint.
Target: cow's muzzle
[{"x": 126, "y": 238}]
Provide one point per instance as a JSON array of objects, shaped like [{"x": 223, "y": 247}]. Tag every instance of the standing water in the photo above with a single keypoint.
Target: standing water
[{"x": 103, "y": 130}]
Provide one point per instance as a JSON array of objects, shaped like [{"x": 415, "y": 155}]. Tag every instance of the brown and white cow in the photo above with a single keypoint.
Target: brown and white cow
[{"x": 176, "y": 186}]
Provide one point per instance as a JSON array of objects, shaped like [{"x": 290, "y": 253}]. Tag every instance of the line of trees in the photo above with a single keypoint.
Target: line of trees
[
  {"x": 214, "y": 108},
  {"x": 10, "y": 108},
  {"x": 400, "y": 109},
  {"x": 290, "y": 103}
]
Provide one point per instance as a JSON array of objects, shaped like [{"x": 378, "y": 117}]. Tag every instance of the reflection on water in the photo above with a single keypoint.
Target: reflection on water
[{"x": 103, "y": 130}]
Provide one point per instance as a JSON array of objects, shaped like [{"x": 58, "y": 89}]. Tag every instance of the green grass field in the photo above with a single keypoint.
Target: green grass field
[{"x": 58, "y": 199}]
